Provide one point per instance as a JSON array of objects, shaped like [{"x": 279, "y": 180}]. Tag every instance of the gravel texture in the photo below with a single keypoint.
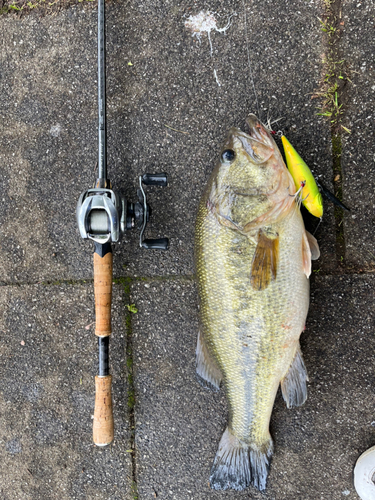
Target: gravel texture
[
  {"x": 49, "y": 122},
  {"x": 358, "y": 156}
]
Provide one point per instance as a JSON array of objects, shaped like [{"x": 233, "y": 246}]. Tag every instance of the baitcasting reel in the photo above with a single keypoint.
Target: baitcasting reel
[{"x": 103, "y": 216}]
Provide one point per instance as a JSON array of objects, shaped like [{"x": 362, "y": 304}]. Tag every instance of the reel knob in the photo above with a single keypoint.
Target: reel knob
[
  {"x": 156, "y": 244},
  {"x": 155, "y": 179}
]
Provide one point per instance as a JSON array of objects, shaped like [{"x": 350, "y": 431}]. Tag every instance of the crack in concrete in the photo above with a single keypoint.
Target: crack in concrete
[
  {"x": 187, "y": 278},
  {"x": 19, "y": 8},
  {"x": 333, "y": 107},
  {"x": 126, "y": 284},
  {"x": 116, "y": 280},
  {"x": 46, "y": 283}
]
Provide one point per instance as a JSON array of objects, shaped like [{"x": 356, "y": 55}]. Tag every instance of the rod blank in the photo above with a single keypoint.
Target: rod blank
[{"x": 102, "y": 130}]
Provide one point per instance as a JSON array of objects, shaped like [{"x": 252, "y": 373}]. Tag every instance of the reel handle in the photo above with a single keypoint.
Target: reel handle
[
  {"x": 103, "y": 431},
  {"x": 155, "y": 179}
]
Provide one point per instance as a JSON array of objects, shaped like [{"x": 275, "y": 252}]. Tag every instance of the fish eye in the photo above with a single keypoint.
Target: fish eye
[{"x": 228, "y": 155}]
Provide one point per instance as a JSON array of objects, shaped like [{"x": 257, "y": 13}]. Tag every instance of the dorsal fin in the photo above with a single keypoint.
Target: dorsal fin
[{"x": 265, "y": 261}]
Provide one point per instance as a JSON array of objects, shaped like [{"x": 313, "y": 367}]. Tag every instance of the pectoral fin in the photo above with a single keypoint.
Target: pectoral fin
[
  {"x": 306, "y": 255},
  {"x": 265, "y": 261},
  {"x": 310, "y": 251},
  {"x": 314, "y": 247}
]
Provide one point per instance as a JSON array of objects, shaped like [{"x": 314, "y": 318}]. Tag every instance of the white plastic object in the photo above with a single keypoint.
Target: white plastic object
[{"x": 364, "y": 475}]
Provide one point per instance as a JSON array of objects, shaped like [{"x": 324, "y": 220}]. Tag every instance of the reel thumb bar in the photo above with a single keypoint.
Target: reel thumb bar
[{"x": 103, "y": 416}]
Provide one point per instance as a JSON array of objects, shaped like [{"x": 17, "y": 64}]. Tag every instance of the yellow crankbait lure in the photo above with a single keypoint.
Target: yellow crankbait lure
[{"x": 303, "y": 179}]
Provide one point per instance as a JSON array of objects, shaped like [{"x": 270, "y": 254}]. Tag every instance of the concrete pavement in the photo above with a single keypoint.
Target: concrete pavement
[{"x": 167, "y": 112}]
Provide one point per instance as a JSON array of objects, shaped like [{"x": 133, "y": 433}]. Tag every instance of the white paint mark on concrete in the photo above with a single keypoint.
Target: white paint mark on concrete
[
  {"x": 217, "y": 80},
  {"x": 55, "y": 130},
  {"x": 205, "y": 22}
]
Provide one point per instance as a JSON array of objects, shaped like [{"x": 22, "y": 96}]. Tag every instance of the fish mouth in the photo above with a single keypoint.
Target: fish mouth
[
  {"x": 256, "y": 141},
  {"x": 258, "y": 131}
]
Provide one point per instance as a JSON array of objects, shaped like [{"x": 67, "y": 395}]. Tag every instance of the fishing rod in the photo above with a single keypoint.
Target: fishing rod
[{"x": 103, "y": 216}]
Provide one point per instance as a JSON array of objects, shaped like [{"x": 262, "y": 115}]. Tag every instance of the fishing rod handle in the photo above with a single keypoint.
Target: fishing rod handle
[
  {"x": 103, "y": 432},
  {"x": 103, "y": 293}
]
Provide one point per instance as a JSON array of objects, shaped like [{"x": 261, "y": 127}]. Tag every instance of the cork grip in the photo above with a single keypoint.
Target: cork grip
[
  {"x": 103, "y": 416},
  {"x": 103, "y": 293}
]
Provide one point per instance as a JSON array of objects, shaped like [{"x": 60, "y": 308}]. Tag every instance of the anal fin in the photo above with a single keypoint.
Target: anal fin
[
  {"x": 265, "y": 261},
  {"x": 293, "y": 385},
  {"x": 209, "y": 374}
]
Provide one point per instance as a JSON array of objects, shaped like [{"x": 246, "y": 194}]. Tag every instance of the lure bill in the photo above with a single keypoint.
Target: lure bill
[{"x": 303, "y": 179}]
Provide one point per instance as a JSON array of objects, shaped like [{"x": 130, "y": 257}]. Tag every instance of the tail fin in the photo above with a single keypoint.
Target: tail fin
[{"x": 238, "y": 465}]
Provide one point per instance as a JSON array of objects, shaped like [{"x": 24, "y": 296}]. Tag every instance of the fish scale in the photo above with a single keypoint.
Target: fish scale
[{"x": 251, "y": 335}]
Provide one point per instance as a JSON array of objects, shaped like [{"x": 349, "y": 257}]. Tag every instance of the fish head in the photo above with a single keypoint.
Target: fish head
[
  {"x": 251, "y": 162},
  {"x": 251, "y": 175}
]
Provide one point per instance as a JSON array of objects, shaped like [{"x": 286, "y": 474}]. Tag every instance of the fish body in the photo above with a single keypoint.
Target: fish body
[
  {"x": 253, "y": 260},
  {"x": 304, "y": 179}
]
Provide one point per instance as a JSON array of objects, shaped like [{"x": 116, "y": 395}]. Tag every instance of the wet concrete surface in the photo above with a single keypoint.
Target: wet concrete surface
[
  {"x": 48, "y": 364},
  {"x": 49, "y": 122},
  {"x": 358, "y": 159},
  {"x": 170, "y": 104},
  {"x": 179, "y": 424}
]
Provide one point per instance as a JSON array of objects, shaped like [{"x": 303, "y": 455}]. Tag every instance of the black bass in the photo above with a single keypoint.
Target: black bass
[{"x": 253, "y": 260}]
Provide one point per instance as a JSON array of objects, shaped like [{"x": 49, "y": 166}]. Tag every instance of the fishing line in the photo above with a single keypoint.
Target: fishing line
[
  {"x": 248, "y": 60},
  {"x": 320, "y": 220}
]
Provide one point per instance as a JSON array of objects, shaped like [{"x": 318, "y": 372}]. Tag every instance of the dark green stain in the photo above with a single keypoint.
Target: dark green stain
[
  {"x": 126, "y": 283},
  {"x": 338, "y": 191}
]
